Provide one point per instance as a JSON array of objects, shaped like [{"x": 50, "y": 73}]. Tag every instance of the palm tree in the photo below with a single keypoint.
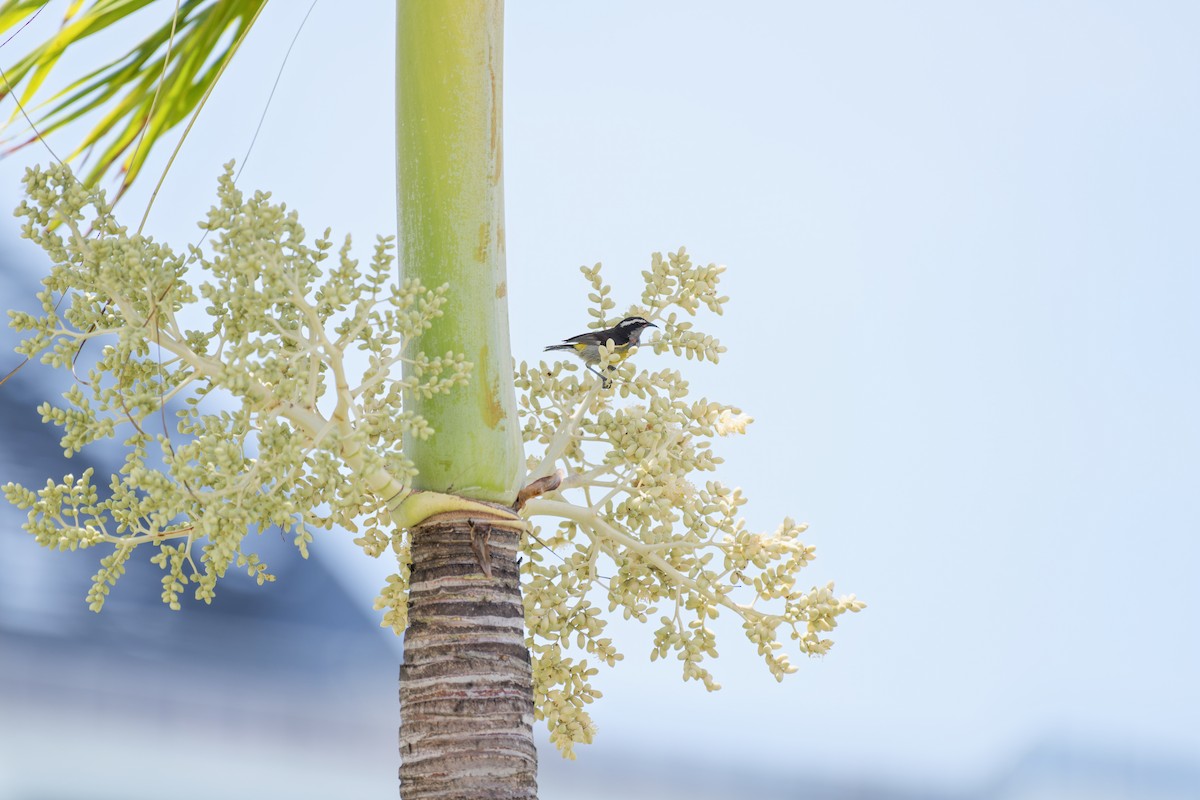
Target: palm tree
[{"x": 480, "y": 662}]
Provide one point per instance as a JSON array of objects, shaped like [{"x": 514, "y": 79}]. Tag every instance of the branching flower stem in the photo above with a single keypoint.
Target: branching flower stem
[
  {"x": 680, "y": 548},
  {"x": 281, "y": 322},
  {"x": 563, "y": 437},
  {"x": 608, "y": 537}
]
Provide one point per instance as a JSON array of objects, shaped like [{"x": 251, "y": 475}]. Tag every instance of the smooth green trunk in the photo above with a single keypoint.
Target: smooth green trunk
[{"x": 451, "y": 212}]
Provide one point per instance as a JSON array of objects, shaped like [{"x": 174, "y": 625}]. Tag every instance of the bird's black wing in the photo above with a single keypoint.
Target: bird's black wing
[{"x": 590, "y": 336}]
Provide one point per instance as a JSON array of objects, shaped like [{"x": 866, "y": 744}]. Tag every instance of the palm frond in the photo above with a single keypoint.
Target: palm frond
[{"x": 144, "y": 93}]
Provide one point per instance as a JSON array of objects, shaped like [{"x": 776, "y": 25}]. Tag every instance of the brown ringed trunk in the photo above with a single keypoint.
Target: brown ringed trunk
[{"x": 466, "y": 691}]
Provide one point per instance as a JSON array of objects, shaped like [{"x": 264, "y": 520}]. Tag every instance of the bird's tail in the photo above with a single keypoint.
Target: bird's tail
[{"x": 559, "y": 347}]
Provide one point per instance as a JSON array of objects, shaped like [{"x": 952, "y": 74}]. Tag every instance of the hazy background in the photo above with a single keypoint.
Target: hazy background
[{"x": 962, "y": 249}]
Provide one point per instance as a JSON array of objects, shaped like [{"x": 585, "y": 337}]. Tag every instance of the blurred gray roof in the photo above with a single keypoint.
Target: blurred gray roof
[
  {"x": 42, "y": 592},
  {"x": 296, "y": 668}
]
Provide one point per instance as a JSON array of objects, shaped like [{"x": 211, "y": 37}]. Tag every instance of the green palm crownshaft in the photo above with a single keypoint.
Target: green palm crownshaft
[{"x": 451, "y": 209}]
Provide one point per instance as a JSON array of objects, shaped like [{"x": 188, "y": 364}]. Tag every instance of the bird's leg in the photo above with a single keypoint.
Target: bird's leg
[{"x": 605, "y": 381}]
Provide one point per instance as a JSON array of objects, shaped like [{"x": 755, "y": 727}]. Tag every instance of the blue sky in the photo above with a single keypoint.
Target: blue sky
[{"x": 963, "y": 258}]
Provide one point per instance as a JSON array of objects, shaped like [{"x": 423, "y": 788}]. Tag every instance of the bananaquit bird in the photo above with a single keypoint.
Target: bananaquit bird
[{"x": 624, "y": 335}]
